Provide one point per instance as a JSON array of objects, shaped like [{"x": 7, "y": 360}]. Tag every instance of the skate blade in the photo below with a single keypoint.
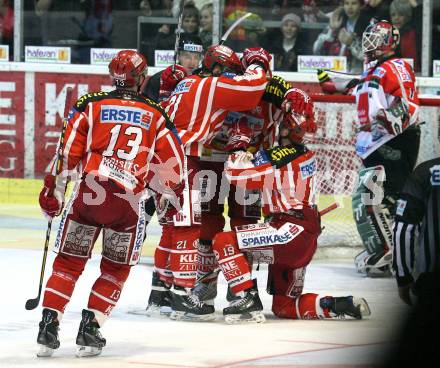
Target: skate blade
[
  {"x": 184, "y": 316},
  {"x": 363, "y": 306},
  {"x": 252, "y": 317},
  {"x": 87, "y": 351},
  {"x": 44, "y": 351}
]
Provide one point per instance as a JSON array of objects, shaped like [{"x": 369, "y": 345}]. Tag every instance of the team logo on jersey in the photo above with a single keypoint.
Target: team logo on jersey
[
  {"x": 379, "y": 72},
  {"x": 401, "y": 69},
  {"x": 183, "y": 86},
  {"x": 127, "y": 115},
  {"x": 260, "y": 158},
  {"x": 435, "y": 175},
  {"x": 307, "y": 168},
  {"x": 400, "y": 208},
  {"x": 266, "y": 235}
]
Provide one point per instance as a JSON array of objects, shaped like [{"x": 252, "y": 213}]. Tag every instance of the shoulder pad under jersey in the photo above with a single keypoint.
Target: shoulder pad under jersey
[
  {"x": 82, "y": 102},
  {"x": 276, "y": 88}
]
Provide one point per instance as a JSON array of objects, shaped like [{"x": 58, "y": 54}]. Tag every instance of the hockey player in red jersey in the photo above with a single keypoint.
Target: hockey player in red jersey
[
  {"x": 387, "y": 141},
  {"x": 117, "y": 143},
  {"x": 249, "y": 131},
  {"x": 198, "y": 107},
  {"x": 287, "y": 240}
]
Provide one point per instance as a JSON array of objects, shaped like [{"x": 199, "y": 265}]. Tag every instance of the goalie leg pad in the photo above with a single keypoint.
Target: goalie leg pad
[{"x": 373, "y": 219}]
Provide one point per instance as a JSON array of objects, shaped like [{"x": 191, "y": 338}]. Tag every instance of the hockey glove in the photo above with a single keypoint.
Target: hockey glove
[
  {"x": 170, "y": 202},
  {"x": 394, "y": 120},
  {"x": 298, "y": 110},
  {"x": 256, "y": 55},
  {"x": 170, "y": 78},
  {"x": 240, "y": 136},
  {"x": 51, "y": 200}
]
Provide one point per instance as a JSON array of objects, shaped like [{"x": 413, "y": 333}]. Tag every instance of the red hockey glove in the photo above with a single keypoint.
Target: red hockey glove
[
  {"x": 50, "y": 203},
  {"x": 169, "y": 79},
  {"x": 298, "y": 110},
  {"x": 240, "y": 135},
  {"x": 256, "y": 55}
]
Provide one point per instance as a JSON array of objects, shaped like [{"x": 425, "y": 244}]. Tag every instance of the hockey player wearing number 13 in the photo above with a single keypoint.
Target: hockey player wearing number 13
[
  {"x": 117, "y": 142},
  {"x": 287, "y": 240},
  {"x": 387, "y": 142}
]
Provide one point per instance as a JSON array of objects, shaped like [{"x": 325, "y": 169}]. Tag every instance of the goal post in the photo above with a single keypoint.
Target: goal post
[{"x": 338, "y": 165}]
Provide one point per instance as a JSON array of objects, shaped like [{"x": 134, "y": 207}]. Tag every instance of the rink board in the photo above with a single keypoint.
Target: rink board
[{"x": 24, "y": 226}]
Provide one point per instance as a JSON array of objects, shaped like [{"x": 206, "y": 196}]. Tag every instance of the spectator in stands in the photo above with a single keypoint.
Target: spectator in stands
[
  {"x": 158, "y": 8},
  {"x": 98, "y": 23},
  {"x": 206, "y": 25},
  {"x": 377, "y": 9},
  {"x": 311, "y": 13},
  {"x": 7, "y": 25},
  {"x": 191, "y": 20},
  {"x": 166, "y": 37},
  {"x": 249, "y": 33},
  {"x": 401, "y": 13},
  {"x": 199, "y": 4},
  {"x": 344, "y": 34},
  {"x": 288, "y": 45}
]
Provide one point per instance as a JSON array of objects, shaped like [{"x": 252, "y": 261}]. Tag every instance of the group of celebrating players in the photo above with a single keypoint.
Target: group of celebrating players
[{"x": 213, "y": 127}]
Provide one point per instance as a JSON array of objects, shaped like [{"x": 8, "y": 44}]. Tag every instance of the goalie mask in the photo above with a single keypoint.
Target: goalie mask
[
  {"x": 294, "y": 128},
  {"x": 223, "y": 57},
  {"x": 128, "y": 69},
  {"x": 379, "y": 40}
]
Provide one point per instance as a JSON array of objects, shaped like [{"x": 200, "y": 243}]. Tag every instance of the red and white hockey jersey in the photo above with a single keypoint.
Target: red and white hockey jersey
[
  {"x": 199, "y": 105},
  {"x": 263, "y": 121},
  {"x": 124, "y": 137},
  {"x": 284, "y": 174},
  {"x": 379, "y": 88}
]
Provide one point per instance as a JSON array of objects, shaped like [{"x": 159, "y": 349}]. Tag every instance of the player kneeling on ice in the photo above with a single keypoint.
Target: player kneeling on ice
[
  {"x": 287, "y": 240},
  {"x": 118, "y": 142}
]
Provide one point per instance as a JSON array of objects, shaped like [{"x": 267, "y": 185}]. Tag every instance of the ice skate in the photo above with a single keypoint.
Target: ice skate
[
  {"x": 375, "y": 264},
  {"x": 230, "y": 296},
  {"x": 245, "y": 309},
  {"x": 187, "y": 307},
  {"x": 206, "y": 291},
  {"x": 346, "y": 306},
  {"x": 89, "y": 339},
  {"x": 159, "y": 301},
  {"x": 48, "y": 333}
]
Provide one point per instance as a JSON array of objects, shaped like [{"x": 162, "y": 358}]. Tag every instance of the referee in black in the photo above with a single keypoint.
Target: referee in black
[{"x": 416, "y": 264}]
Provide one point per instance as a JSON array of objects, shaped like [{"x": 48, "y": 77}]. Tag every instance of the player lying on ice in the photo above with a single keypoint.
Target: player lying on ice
[{"x": 287, "y": 240}]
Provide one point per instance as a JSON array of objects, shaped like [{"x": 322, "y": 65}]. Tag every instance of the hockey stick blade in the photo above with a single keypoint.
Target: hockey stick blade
[
  {"x": 233, "y": 25},
  {"x": 32, "y": 303}
]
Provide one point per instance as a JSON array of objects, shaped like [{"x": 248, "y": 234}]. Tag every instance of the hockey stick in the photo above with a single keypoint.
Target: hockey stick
[
  {"x": 328, "y": 209},
  {"x": 178, "y": 32},
  {"x": 231, "y": 28},
  {"x": 33, "y": 303}
]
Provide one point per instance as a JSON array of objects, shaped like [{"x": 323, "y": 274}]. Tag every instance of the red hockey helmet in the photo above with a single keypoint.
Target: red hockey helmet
[
  {"x": 379, "y": 39},
  {"x": 127, "y": 68},
  {"x": 223, "y": 56}
]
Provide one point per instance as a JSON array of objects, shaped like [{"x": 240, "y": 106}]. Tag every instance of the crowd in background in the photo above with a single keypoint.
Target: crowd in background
[{"x": 302, "y": 27}]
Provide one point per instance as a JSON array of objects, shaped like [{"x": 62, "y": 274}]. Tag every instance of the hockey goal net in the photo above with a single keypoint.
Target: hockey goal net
[{"x": 338, "y": 164}]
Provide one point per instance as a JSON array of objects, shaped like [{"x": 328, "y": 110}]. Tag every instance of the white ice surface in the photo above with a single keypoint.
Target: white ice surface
[{"x": 139, "y": 341}]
